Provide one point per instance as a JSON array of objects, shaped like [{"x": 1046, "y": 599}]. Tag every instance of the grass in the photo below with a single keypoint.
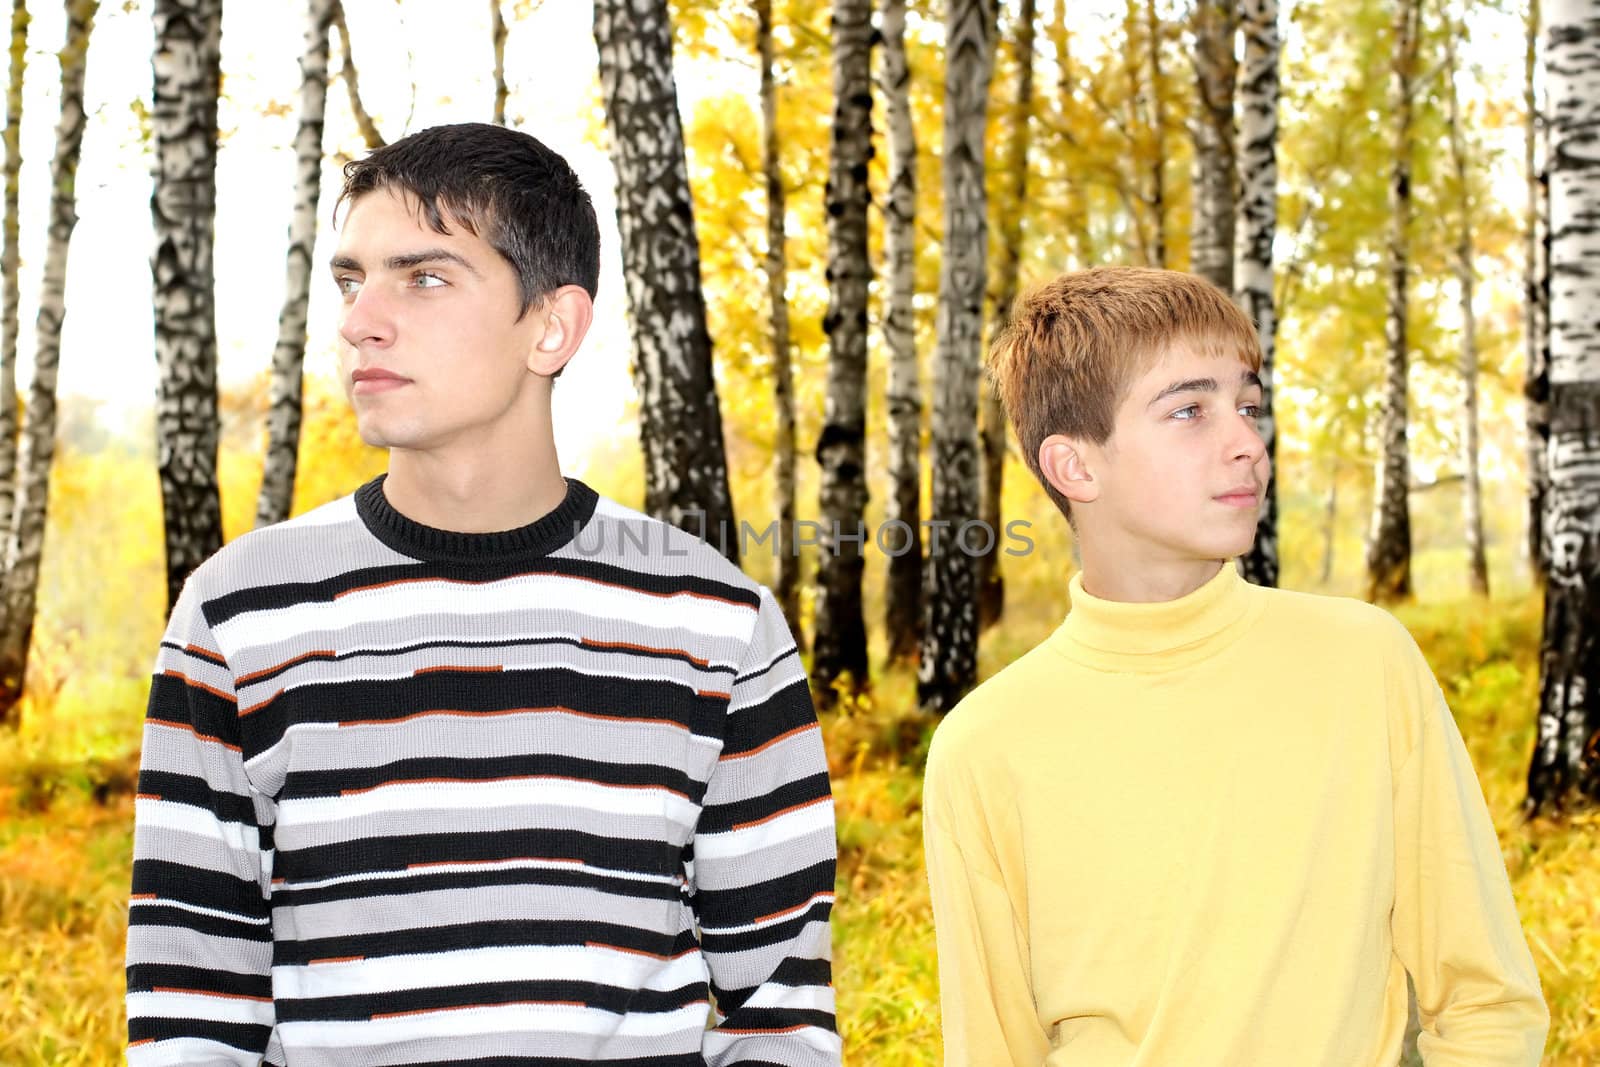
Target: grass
[
  {"x": 65, "y": 841},
  {"x": 63, "y": 906}
]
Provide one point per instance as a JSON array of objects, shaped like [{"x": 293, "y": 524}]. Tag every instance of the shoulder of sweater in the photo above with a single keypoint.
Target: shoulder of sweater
[
  {"x": 1301, "y": 615},
  {"x": 280, "y": 551},
  {"x": 672, "y": 550},
  {"x": 982, "y": 723}
]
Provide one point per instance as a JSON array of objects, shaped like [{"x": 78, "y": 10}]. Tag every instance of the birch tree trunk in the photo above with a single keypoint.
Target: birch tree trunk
[
  {"x": 839, "y": 646},
  {"x": 1471, "y": 493},
  {"x": 1536, "y": 303},
  {"x": 288, "y": 356},
  {"x": 498, "y": 33},
  {"x": 948, "y": 668},
  {"x": 26, "y": 543},
  {"x": 786, "y": 589},
  {"x": 1216, "y": 169},
  {"x": 680, "y": 423},
  {"x": 991, "y": 416},
  {"x": 10, "y": 260},
  {"x": 1254, "y": 234},
  {"x": 1389, "y": 548},
  {"x": 1569, "y": 715},
  {"x": 352, "y": 82},
  {"x": 188, "y": 41},
  {"x": 903, "y": 594}
]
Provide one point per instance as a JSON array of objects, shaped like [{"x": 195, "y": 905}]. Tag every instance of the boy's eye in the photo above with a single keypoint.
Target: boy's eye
[
  {"x": 1190, "y": 411},
  {"x": 427, "y": 280},
  {"x": 1250, "y": 411},
  {"x": 347, "y": 284}
]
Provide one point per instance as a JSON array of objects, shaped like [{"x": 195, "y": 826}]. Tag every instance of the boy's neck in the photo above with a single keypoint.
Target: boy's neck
[
  {"x": 482, "y": 493},
  {"x": 1132, "y": 581}
]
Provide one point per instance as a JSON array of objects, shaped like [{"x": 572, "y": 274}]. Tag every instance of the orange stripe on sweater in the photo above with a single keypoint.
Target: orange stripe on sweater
[
  {"x": 769, "y": 743},
  {"x": 211, "y": 993},
  {"x": 318, "y": 653},
  {"x": 630, "y": 647},
  {"x": 193, "y": 684}
]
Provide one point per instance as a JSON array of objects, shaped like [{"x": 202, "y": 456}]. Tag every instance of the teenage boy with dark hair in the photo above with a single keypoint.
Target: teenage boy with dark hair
[
  {"x": 1203, "y": 823},
  {"x": 474, "y": 765}
]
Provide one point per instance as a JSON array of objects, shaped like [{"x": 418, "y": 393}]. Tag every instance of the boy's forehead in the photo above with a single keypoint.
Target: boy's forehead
[
  {"x": 1183, "y": 363},
  {"x": 1185, "y": 359},
  {"x": 392, "y": 217}
]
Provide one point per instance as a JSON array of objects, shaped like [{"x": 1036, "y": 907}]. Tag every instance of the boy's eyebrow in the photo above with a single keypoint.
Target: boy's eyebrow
[
  {"x": 1202, "y": 385},
  {"x": 407, "y": 260},
  {"x": 1190, "y": 385}
]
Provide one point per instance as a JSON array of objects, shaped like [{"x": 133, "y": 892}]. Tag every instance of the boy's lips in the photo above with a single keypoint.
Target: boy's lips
[
  {"x": 1243, "y": 496},
  {"x": 375, "y": 380}
]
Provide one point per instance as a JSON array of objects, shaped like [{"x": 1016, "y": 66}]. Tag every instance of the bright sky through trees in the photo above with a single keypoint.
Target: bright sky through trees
[{"x": 107, "y": 357}]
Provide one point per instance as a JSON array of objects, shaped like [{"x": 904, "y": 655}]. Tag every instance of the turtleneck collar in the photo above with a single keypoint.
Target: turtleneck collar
[
  {"x": 539, "y": 538},
  {"x": 1114, "y": 635}
]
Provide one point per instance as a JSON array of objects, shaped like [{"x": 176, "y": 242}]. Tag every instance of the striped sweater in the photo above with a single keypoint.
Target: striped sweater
[{"x": 554, "y": 795}]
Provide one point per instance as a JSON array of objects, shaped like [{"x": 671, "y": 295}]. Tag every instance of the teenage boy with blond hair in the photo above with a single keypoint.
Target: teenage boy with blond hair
[{"x": 1203, "y": 823}]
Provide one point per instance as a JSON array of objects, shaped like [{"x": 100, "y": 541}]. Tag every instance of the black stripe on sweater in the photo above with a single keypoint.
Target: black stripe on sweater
[
  {"x": 280, "y": 595},
  {"x": 501, "y": 933}
]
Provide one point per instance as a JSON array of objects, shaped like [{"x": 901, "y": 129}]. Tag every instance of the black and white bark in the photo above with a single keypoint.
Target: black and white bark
[
  {"x": 839, "y": 646},
  {"x": 25, "y": 546},
  {"x": 1216, "y": 168},
  {"x": 1011, "y": 202},
  {"x": 903, "y": 590},
  {"x": 1536, "y": 300},
  {"x": 1471, "y": 491},
  {"x": 948, "y": 667},
  {"x": 1254, "y": 233},
  {"x": 10, "y": 261},
  {"x": 786, "y": 583},
  {"x": 352, "y": 82},
  {"x": 1389, "y": 546},
  {"x": 288, "y": 356},
  {"x": 1565, "y": 758},
  {"x": 497, "y": 36},
  {"x": 680, "y": 423},
  {"x": 183, "y": 120}
]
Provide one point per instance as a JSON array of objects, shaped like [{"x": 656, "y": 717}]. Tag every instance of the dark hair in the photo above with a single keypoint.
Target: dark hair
[{"x": 502, "y": 185}]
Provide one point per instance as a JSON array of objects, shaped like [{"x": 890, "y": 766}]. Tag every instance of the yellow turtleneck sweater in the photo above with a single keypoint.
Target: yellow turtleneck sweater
[{"x": 1218, "y": 832}]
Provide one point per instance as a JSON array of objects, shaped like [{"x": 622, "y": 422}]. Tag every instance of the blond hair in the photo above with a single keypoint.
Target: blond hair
[{"x": 1075, "y": 345}]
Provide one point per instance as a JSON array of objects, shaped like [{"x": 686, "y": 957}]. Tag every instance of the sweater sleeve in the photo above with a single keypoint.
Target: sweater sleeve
[
  {"x": 1455, "y": 923},
  {"x": 985, "y": 989},
  {"x": 763, "y": 867},
  {"x": 199, "y": 953}
]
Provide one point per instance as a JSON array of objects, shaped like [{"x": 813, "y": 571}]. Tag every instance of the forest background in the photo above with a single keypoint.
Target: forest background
[{"x": 1115, "y": 127}]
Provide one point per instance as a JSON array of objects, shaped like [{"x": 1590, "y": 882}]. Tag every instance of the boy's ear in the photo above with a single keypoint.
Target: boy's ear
[
  {"x": 565, "y": 315},
  {"x": 1065, "y": 464}
]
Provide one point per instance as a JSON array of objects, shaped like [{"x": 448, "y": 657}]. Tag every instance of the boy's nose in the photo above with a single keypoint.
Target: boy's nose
[
  {"x": 1249, "y": 444},
  {"x": 366, "y": 321}
]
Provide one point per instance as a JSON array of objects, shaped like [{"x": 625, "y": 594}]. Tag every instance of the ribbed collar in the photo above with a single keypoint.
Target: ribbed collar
[
  {"x": 1115, "y": 635},
  {"x": 539, "y": 538}
]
